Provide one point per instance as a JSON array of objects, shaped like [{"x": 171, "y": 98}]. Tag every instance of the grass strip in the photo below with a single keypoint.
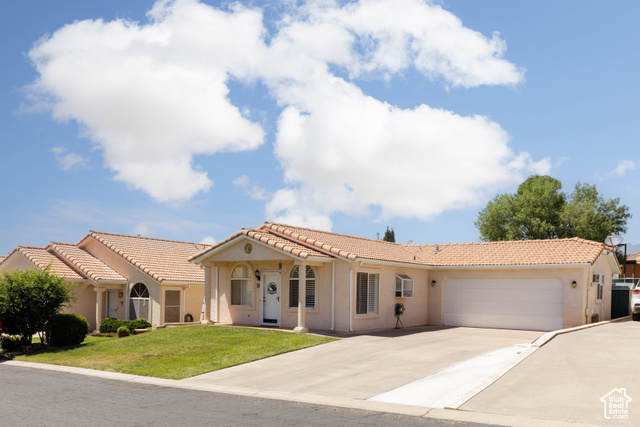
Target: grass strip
[{"x": 177, "y": 353}]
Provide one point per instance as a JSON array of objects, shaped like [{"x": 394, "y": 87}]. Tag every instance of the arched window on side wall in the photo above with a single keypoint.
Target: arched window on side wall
[{"x": 139, "y": 302}]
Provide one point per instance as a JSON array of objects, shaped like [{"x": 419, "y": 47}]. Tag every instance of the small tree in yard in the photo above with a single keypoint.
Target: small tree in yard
[{"x": 29, "y": 299}]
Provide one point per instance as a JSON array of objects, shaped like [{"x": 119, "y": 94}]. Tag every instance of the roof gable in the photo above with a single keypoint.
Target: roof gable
[
  {"x": 91, "y": 266},
  {"x": 41, "y": 258},
  {"x": 163, "y": 260}
]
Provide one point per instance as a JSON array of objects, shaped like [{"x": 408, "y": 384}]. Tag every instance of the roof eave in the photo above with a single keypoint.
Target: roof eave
[{"x": 510, "y": 266}]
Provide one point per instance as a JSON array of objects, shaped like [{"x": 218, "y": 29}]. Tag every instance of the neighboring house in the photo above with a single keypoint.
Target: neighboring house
[
  {"x": 125, "y": 277},
  {"x": 279, "y": 275},
  {"x": 632, "y": 266}
]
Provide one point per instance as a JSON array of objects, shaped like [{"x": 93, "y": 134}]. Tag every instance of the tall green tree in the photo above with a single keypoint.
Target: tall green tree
[
  {"x": 389, "y": 235},
  {"x": 29, "y": 299},
  {"x": 539, "y": 210}
]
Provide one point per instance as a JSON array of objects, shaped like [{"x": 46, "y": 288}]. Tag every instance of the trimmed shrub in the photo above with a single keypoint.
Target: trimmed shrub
[
  {"x": 67, "y": 329},
  {"x": 140, "y": 324},
  {"x": 109, "y": 325},
  {"x": 123, "y": 331},
  {"x": 13, "y": 343},
  {"x": 112, "y": 325}
]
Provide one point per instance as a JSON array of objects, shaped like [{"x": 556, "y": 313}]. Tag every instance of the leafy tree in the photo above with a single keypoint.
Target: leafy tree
[
  {"x": 539, "y": 210},
  {"x": 29, "y": 299},
  {"x": 389, "y": 235},
  {"x": 590, "y": 216}
]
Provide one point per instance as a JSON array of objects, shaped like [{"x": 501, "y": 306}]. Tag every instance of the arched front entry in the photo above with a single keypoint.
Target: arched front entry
[{"x": 139, "y": 302}]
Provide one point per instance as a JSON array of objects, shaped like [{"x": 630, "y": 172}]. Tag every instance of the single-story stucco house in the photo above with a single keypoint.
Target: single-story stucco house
[
  {"x": 124, "y": 277},
  {"x": 292, "y": 277}
]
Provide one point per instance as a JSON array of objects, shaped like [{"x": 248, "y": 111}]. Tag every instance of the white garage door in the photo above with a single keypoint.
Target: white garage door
[{"x": 534, "y": 304}]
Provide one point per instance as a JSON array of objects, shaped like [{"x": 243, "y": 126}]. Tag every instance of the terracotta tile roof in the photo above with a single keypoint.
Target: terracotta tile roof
[
  {"x": 344, "y": 246},
  {"x": 85, "y": 262},
  {"x": 2, "y": 258},
  {"x": 524, "y": 252},
  {"x": 303, "y": 242},
  {"x": 633, "y": 257},
  {"x": 164, "y": 260},
  {"x": 42, "y": 258}
]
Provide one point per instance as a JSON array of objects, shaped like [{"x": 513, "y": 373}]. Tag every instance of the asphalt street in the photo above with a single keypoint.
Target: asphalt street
[{"x": 34, "y": 397}]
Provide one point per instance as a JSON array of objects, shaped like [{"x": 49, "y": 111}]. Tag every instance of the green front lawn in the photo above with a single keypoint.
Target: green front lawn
[{"x": 177, "y": 353}]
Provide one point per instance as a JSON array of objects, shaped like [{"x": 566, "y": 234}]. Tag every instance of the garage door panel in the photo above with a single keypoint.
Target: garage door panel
[
  {"x": 535, "y": 304},
  {"x": 506, "y": 295},
  {"x": 499, "y": 308},
  {"x": 504, "y": 322}
]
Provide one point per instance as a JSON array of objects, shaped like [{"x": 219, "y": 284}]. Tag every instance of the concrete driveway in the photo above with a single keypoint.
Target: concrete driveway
[
  {"x": 363, "y": 366},
  {"x": 566, "y": 378}
]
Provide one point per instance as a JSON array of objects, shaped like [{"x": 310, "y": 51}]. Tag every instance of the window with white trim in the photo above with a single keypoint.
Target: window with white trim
[
  {"x": 139, "y": 302},
  {"x": 367, "y": 293},
  {"x": 172, "y": 306},
  {"x": 310, "y": 287},
  {"x": 600, "y": 288},
  {"x": 241, "y": 286},
  {"x": 404, "y": 286}
]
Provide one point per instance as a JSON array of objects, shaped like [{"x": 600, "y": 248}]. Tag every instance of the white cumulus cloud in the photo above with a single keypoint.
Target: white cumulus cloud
[{"x": 154, "y": 95}]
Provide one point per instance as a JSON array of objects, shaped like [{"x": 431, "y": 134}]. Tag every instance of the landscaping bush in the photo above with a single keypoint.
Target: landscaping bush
[
  {"x": 123, "y": 331},
  {"x": 140, "y": 324},
  {"x": 10, "y": 343},
  {"x": 67, "y": 329},
  {"x": 112, "y": 325}
]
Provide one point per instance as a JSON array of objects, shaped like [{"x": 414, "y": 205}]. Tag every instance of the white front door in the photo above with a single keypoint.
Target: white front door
[
  {"x": 271, "y": 299},
  {"x": 112, "y": 304}
]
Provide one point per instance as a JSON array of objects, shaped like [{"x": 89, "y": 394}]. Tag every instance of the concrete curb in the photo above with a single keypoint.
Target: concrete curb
[{"x": 534, "y": 347}]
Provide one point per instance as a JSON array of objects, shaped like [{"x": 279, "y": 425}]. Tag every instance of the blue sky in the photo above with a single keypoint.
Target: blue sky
[{"x": 189, "y": 120}]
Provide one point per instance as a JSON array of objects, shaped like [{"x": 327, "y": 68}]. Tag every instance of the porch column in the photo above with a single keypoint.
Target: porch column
[
  {"x": 99, "y": 304},
  {"x": 302, "y": 296},
  {"x": 206, "y": 320}
]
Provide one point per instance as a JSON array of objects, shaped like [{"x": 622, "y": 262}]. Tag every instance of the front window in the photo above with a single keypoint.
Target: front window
[
  {"x": 310, "y": 287},
  {"x": 367, "y": 293},
  {"x": 139, "y": 302},
  {"x": 241, "y": 286},
  {"x": 404, "y": 286}
]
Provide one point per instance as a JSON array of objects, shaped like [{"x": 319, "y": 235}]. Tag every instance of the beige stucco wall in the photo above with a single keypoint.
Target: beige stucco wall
[
  {"x": 601, "y": 308},
  {"x": 416, "y": 307},
  {"x": 85, "y": 305},
  {"x": 193, "y": 297}
]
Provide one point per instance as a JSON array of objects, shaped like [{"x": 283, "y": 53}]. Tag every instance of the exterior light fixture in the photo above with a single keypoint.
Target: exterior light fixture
[
  {"x": 574, "y": 284},
  {"x": 258, "y": 274},
  {"x": 433, "y": 283}
]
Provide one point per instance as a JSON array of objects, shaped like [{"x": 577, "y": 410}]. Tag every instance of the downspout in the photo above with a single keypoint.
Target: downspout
[
  {"x": 333, "y": 293},
  {"x": 184, "y": 298},
  {"x": 586, "y": 311},
  {"x": 351, "y": 295},
  {"x": 217, "y": 297}
]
